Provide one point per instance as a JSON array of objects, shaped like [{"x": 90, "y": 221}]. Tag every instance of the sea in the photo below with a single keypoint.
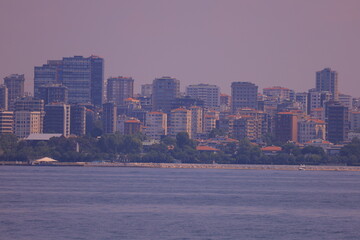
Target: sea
[{"x": 44, "y": 202}]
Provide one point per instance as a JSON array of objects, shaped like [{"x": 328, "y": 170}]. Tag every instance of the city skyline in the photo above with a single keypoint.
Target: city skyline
[{"x": 212, "y": 42}]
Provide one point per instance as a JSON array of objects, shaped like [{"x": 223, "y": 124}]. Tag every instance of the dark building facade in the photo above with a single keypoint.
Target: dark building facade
[
  {"x": 57, "y": 118},
  {"x": 109, "y": 117},
  {"x": 15, "y": 86},
  {"x": 327, "y": 80},
  {"x": 337, "y": 120},
  {"x": 243, "y": 95},
  {"x": 54, "y": 93},
  {"x": 78, "y": 120},
  {"x": 165, "y": 90},
  {"x": 286, "y": 127}
]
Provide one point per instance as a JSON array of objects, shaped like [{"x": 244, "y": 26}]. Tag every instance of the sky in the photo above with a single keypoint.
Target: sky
[{"x": 267, "y": 42}]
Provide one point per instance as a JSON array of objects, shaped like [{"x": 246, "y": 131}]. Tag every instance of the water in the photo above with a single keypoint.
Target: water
[{"x": 139, "y": 203}]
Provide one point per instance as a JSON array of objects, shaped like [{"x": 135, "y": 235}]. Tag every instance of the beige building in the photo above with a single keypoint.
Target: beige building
[
  {"x": 156, "y": 125},
  {"x": 27, "y": 122},
  {"x": 6, "y": 122},
  {"x": 180, "y": 121}
]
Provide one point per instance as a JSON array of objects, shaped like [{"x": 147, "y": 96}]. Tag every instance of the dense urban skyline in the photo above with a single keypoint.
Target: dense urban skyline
[{"x": 217, "y": 42}]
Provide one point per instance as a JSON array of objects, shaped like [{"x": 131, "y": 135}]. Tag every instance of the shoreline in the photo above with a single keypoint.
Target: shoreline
[{"x": 197, "y": 166}]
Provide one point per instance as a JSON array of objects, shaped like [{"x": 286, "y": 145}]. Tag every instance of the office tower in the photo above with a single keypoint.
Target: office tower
[
  {"x": 310, "y": 129},
  {"x": 210, "y": 94},
  {"x": 78, "y": 120},
  {"x": 3, "y": 97},
  {"x": 109, "y": 117},
  {"x": 286, "y": 127},
  {"x": 327, "y": 80},
  {"x": 15, "y": 86},
  {"x": 156, "y": 125},
  {"x": 84, "y": 78},
  {"x": 47, "y": 74},
  {"x": 243, "y": 95},
  {"x": 317, "y": 99},
  {"x": 53, "y": 93},
  {"x": 180, "y": 121},
  {"x": 337, "y": 119},
  {"x": 165, "y": 90},
  {"x": 6, "y": 122},
  {"x": 57, "y": 118},
  {"x": 277, "y": 93},
  {"x": 132, "y": 126},
  {"x": 27, "y": 122},
  {"x": 119, "y": 89},
  {"x": 97, "y": 80},
  {"x": 146, "y": 90}
]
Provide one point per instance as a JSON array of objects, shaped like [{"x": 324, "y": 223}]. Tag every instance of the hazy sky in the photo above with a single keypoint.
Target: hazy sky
[{"x": 269, "y": 42}]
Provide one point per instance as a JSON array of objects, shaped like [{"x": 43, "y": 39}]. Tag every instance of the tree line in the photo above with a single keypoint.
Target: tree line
[{"x": 181, "y": 149}]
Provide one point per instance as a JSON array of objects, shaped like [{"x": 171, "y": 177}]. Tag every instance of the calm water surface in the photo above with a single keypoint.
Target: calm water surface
[{"x": 139, "y": 203}]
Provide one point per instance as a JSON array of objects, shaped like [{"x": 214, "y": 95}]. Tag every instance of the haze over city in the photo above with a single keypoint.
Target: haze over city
[{"x": 217, "y": 42}]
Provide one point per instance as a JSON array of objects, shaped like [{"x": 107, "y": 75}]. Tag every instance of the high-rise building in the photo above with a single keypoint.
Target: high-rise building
[
  {"x": 180, "y": 121},
  {"x": 146, "y": 90},
  {"x": 119, "y": 89},
  {"x": 57, "y": 118},
  {"x": 165, "y": 90},
  {"x": 317, "y": 99},
  {"x": 327, "y": 80},
  {"x": 337, "y": 119},
  {"x": 3, "y": 97},
  {"x": 47, "y": 74},
  {"x": 84, "y": 78},
  {"x": 210, "y": 94},
  {"x": 302, "y": 99},
  {"x": 156, "y": 125},
  {"x": 243, "y": 95},
  {"x": 6, "y": 122},
  {"x": 109, "y": 117},
  {"x": 286, "y": 127},
  {"x": 53, "y": 93},
  {"x": 15, "y": 86}
]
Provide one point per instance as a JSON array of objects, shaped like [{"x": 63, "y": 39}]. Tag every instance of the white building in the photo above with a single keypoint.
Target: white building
[
  {"x": 309, "y": 129},
  {"x": 156, "y": 125},
  {"x": 354, "y": 120},
  {"x": 210, "y": 94}
]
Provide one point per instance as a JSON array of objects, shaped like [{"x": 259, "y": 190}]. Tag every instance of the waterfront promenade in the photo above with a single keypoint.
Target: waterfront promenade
[{"x": 207, "y": 166}]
